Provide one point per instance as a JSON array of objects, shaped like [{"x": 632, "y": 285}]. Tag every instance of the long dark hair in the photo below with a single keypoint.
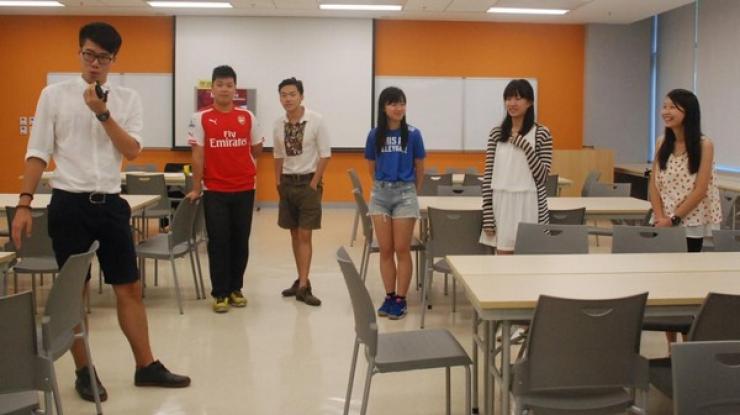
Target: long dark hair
[
  {"x": 390, "y": 95},
  {"x": 687, "y": 103},
  {"x": 523, "y": 89}
]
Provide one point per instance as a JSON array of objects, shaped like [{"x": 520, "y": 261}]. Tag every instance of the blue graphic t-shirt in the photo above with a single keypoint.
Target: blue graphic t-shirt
[{"x": 393, "y": 163}]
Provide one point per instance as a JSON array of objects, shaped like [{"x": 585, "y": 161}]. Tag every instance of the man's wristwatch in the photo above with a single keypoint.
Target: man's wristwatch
[
  {"x": 103, "y": 116},
  {"x": 675, "y": 220}
]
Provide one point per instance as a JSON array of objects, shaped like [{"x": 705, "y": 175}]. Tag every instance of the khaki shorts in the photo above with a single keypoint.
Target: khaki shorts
[{"x": 300, "y": 205}]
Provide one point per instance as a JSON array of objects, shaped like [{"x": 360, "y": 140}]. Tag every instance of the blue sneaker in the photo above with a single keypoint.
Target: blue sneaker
[
  {"x": 386, "y": 307},
  {"x": 398, "y": 309}
]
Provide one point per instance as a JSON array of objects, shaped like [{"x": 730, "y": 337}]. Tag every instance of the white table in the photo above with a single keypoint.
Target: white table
[
  {"x": 5, "y": 259},
  {"x": 458, "y": 178},
  {"x": 505, "y": 288},
  {"x": 596, "y": 207},
  {"x": 137, "y": 202},
  {"x": 725, "y": 181},
  {"x": 170, "y": 179}
]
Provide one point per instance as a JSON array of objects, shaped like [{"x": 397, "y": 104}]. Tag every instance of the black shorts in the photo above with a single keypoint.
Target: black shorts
[{"x": 75, "y": 222}]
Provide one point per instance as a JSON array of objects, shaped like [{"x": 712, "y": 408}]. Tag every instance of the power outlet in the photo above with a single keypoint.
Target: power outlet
[
  {"x": 24, "y": 130},
  {"x": 23, "y": 121}
]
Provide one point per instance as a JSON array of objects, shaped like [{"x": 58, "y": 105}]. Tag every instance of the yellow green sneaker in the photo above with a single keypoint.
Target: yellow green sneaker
[
  {"x": 221, "y": 304},
  {"x": 236, "y": 299}
]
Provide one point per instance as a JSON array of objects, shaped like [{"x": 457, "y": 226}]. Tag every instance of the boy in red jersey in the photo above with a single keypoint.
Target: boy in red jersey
[{"x": 225, "y": 142}]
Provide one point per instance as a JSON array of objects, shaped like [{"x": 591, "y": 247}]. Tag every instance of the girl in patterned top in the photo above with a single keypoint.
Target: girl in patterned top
[
  {"x": 518, "y": 159},
  {"x": 683, "y": 190}
]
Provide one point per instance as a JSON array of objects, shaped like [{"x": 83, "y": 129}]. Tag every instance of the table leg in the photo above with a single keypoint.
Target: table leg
[
  {"x": 476, "y": 321},
  {"x": 487, "y": 387},
  {"x": 505, "y": 365}
]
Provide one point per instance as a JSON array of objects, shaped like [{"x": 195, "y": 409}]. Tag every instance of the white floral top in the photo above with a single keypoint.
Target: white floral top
[{"x": 674, "y": 185}]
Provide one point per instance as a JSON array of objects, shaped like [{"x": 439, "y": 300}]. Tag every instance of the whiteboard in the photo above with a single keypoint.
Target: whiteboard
[
  {"x": 155, "y": 90},
  {"x": 434, "y": 106},
  {"x": 453, "y": 113},
  {"x": 333, "y": 58}
]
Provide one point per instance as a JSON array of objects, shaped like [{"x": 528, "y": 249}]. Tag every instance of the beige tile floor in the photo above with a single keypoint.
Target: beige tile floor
[{"x": 276, "y": 356}]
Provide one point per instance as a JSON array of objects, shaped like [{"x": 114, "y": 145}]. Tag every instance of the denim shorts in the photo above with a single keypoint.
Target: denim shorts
[{"x": 394, "y": 199}]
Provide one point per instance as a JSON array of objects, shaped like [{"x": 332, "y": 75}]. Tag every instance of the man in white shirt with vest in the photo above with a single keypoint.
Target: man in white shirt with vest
[
  {"x": 301, "y": 150},
  {"x": 87, "y": 133}
]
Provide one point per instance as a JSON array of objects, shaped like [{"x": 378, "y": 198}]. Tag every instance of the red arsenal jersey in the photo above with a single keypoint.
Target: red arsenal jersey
[{"x": 227, "y": 139}]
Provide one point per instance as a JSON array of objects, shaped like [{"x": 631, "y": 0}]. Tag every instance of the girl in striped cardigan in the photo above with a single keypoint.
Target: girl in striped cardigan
[{"x": 518, "y": 159}]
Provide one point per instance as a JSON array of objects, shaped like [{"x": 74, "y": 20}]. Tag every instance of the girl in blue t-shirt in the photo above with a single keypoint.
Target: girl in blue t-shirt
[{"x": 395, "y": 154}]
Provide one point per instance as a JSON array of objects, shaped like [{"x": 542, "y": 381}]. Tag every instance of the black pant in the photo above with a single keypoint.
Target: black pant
[
  {"x": 694, "y": 244},
  {"x": 228, "y": 222}
]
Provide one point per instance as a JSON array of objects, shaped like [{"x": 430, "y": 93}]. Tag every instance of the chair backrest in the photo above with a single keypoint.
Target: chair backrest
[
  {"x": 727, "y": 200},
  {"x": 367, "y": 224},
  {"x": 647, "y": 239},
  {"x": 430, "y": 183},
  {"x": 182, "y": 222},
  {"x": 472, "y": 179},
  {"x": 717, "y": 319},
  {"x": 706, "y": 378},
  {"x": 188, "y": 183},
  {"x": 19, "y": 361},
  {"x": 366, "y": 326},
  {"x": 584, "y": 343},
  {"x": 65, "y": 305},
  {"x": 726, "y": 240},
  {"x": 455, "y": 232},
  {"x": 432, "y": 170},
  {"x": 610, "y": 190},
  {"x": 551, "y": 185},
  {"x": 592, "y": 177},
  {"x": 199, "y": 223},
  {"x": 533, "y": 238},
  {"x": 455, "y": 170},
  {"x": 149, "y": 184},
  {"x": 354, "y": 178},
  {"x": 174, "y": 167},
  {"x": 459, "y": 190},
  {"x": 568, "y": 216},
  {"x": 39, "y": 243},
  {"x": 149, "y": 167}
]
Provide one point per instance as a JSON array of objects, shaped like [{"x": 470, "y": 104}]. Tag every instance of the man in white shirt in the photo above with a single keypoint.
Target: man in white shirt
[
  {"x": 87, "y": 132},
  {"x": 301, "y": 150}
]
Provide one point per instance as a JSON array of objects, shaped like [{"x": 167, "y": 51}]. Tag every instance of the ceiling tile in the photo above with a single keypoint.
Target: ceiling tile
[
  {"x": 479, "y": 6},
  {"x": 426, "y": 5}
]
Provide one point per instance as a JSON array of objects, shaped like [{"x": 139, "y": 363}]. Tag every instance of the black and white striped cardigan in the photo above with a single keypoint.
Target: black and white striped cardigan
[{"x": 539, "y": 159}]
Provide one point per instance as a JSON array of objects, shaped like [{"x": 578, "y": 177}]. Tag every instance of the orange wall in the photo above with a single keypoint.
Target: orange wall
[
  {"x": 32, "y": 46},
  {"x": 554, "y": 54}
]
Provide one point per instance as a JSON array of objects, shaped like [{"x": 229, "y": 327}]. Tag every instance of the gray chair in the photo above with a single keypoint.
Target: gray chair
[
  {"x": 444, "y": 190},
  {"x": 568, "y": 216},
  {"x": 455, "y": 170},
  {"x": 533, "y": 239},
  {"x": 730, "y": 204},
  {"x": 591, "y": 178},
  {"x": 583, "y": 356},
  {"x": 551, "y": 185},
  {"x": 36, "y": 255},
  {"x": 432, "y": 182},
  {"x": 432, "y": 170},
  {"x": 151, "y": 184},
  {"x": 472, "y": 180},
  {"x": 451, "y": 232},
  {"x": 64, "y": 315},
  {"x": 726, "y": 240},
  {"x": 610, "y": 190},
  {"x": 172, "y": 245},
  {"x": 647, "y": 239},
  {"x": 148, "y": 167},
  {"x": 706, "y": 378},
  {"x": 354, "y": 178},
  {"x": 370, "y": 245},
  {"x": 398, "y": 351},
  {"x": 199, "y": 237},
  {"x": 23, "y": 371},
  {"x": 711, "y": 324}
]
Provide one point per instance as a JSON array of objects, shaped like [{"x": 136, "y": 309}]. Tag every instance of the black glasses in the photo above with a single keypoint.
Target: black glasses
[{"x": 102, "y": 58}]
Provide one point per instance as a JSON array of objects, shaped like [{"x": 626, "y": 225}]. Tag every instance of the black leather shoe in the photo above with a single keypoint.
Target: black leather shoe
[
  {"x": 290, "y": 292},
  {"x": 83, "y": 386},
  {"x": 157, "y": 375}
]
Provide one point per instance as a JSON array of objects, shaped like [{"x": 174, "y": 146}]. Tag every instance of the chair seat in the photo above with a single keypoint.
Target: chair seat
[
  {"x": 416, "y": 245},
  {"x": 677, "y": 324},
  {"x": 442, "y": 266},
  {"x": 36, "y": 265},
  {"x": 19, "y": 402},
  {"x": 420, "y": 349},
  {"x": 158, "y": 248},
  {"x": 661, "y": 375},
  {"x": 157, "y": 213},
  {"x": 567, "y": 401}
]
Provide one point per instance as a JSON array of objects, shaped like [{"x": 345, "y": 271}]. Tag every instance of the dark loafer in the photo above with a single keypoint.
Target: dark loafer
[
  {"x": 157, "y": 375},
  {"x": 83, "y": 386}
]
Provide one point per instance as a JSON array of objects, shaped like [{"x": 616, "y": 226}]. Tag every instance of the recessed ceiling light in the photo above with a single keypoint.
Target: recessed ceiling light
[
  {"x": 191, "y": 4},
  {"x": 519, "y": 10},
  {"x": 363, "y": 7},
  {"x": 29, "y": 3}
]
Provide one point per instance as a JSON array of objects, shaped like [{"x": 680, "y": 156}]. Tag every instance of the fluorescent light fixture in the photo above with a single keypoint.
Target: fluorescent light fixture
[
  {"x": 191, "y": 4},
  {"x": 29, "y": 3},
  {"x": 363, "y": 7},
  {"x": 519, "y": 10}
]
